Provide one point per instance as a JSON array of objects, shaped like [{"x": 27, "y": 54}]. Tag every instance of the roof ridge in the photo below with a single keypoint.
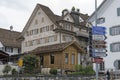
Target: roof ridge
[{"x": 9, "y": 30}]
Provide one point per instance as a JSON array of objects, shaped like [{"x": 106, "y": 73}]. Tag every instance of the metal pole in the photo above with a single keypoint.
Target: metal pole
[
  {"x": 96, "y": 26},
  {"x": 61, "y": 54}
]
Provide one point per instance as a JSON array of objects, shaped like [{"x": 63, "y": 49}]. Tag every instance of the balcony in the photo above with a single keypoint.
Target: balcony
[{"x": 82, "y": 34}]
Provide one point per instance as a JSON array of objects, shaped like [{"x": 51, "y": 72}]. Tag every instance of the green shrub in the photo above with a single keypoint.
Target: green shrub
[
  {"x": 14, "y": 71},
  {"x": 7, "y": 69},
  {"x": 53, "y": 71},
  {"x": 84, "y": 70}
]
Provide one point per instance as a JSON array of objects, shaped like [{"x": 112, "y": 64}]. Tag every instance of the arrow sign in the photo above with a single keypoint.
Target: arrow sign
[
  {"x": 98, "y": 32},
  {"x": 99, "y": 28},
  {"x": 99, "y": 50},
  {"x": 98, "y": 37},
  {"x": 99, "y": 54}
]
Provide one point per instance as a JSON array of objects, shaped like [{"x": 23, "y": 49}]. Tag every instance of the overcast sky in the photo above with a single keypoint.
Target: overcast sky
[{"x": 17, "y": 12}]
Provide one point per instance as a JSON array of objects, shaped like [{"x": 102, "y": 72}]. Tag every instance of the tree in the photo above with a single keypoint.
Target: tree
[
  {"x": 29, "y": 62},
  {"x": 6, "y": 69}
]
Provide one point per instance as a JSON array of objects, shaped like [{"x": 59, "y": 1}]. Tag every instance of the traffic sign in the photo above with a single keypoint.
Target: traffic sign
[
  {"x": 98, "y": 37},
  {"x": 98, "y": 42},
  {"x": 98, "y": 60},
  {"x": 98, "y": 32},
  {"x": 99, "y": 50},
  {"x": 99, "y": 54},
  {"x": 98, "y": 28},
  {"x": 99, "y": 46}
]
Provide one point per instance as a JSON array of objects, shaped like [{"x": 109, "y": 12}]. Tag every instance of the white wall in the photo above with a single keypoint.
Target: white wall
[{"x": 111, "y": 19}]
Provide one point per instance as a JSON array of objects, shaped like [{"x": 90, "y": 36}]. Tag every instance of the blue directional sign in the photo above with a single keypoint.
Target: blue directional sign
[
  {"x": 98, "y": 32},
  {"x": 99, "y": 54},
  {"x": 98, "y": 28}
]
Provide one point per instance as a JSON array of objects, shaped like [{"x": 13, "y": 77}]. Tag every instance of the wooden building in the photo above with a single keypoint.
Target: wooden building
[{"x": 59, "y": 41}]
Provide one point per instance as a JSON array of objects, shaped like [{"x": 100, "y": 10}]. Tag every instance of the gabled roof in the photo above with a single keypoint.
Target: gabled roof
[
  {"x": 53, "y": 17},
  {"x": 56, "y": 47},
  {"x": 3, "y": 54},
  {"x": 101, "y": 7},
  {"x": 48, "y": 12},
  {"x": 8, "y": 38}
]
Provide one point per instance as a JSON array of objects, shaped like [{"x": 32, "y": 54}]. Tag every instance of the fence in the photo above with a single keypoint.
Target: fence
[{"x": 65, "y": 77}]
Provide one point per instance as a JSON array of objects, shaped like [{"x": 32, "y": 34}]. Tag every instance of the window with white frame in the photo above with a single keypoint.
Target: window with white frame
[
  {"x": 51, "y": 39},
  {"x": 115, "y": 47},
  {"x": 42, "y": 40},
  {"x": 8, "y": 49},
  {"x": 102, "y": 66},
  {"x": 115, "y": 30},
  {"x": 73, "y": 59},
  {"x": 67, "y": 38},
  {"x": 66, "y": 58}
]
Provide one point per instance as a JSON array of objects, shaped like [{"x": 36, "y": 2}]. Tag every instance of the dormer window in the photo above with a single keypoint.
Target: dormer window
[
  {"x": 67, "y": 19},
  {"x": 36, "y": 22}
]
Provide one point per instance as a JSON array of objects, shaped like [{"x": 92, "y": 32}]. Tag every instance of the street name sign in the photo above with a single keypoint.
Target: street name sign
[
  {"x": 100, "y": 33},
  {"x": 99, "y": 54},
  {"x": 99, "y": 50},
  {"x": 98, "y": 37},
  {"x": 98, "y": 28}
]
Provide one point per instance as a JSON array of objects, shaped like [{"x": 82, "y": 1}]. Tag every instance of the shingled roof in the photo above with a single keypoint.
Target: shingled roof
[
  {"x": 53, "y": 17},
  {"x": 8, "y": 38},
  {"x": 56, "y": 47}
]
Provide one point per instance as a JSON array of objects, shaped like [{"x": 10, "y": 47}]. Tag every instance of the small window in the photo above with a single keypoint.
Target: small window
[
  {"x": 36, "y": 22},
  {"x": 73, "y": 59},
  {"x": 39, "y": 13},
  {"x": 115, "y": 30},
  {"x": 68, "y": 19},
  {"x": 52, "y": 59},
  {"x": 115, "y": 47},
  {"x": 118, "y": 11},
  {"x": 102, "y": 66},
  {"x": 66, "y": 58},
  {"x": 42, "y": 19}
]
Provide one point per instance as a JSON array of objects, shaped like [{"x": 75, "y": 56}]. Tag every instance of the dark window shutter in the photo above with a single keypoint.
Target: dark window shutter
[{"x": 118, "y": 11}]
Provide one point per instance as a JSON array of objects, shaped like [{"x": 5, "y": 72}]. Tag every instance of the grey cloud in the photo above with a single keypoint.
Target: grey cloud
[{"x": 14, "y": 4}]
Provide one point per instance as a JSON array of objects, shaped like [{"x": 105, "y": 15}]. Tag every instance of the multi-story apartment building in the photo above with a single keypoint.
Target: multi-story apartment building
[
  {"x": 9, "y": 46},
  {"x": 109, "y": 16},
  {"x": 59, "y": 41}
]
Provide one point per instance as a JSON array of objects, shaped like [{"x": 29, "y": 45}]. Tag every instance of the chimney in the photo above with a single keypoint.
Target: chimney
[
  {"x": 11, "y": 28},
  {"x": 75, "y": 14}
]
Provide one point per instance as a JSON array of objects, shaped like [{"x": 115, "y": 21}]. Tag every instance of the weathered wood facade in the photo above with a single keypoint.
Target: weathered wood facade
[{"x": 63, "y": 57}]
